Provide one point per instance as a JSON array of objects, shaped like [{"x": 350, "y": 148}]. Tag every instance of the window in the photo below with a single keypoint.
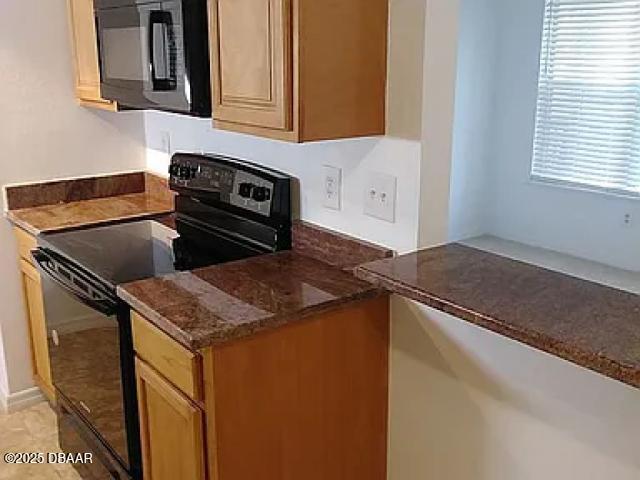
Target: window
[{"x": 587, "y": 130}]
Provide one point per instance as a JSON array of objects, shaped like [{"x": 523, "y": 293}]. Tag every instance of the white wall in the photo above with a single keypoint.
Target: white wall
[
  {"x": 355, "y": 157},
  {"x": 439, "y": 84},
  {"x": 468, "y": 404},
  {"x": 43, "y": 135},
  {"x": 584, "y": 224},
  {"x": 477, "y": 52}
]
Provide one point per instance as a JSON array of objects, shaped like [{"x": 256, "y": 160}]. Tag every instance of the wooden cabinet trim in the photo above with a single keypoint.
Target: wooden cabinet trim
[
  {"x": 84, "y": 48},
  {"x": 26, "y": 243},
  {"x": 34, "y": 309},
  {"x": 180, "y": 366}
]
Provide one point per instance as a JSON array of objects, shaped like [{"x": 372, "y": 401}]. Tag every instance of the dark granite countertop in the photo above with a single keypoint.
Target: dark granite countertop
[
  {"x": 77, "y": 203},
  {"x": 592, "y": 325},
  {"x": 226, "y": 302}
]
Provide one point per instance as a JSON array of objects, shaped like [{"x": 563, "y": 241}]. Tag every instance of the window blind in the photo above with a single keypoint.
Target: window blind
[{"x": 587, "y": 126}]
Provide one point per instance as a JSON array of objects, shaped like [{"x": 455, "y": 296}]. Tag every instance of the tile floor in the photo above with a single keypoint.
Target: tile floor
[{"x": 32, "y": 430}]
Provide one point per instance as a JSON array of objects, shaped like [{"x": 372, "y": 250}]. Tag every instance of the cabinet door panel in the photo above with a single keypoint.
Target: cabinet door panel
[
  {"x": 171, "y": 429},
  {"x": 37, "y": 328},
  {"x": 251, "y": 56}
]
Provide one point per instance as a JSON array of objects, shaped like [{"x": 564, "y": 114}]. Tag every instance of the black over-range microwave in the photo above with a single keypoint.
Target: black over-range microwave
[{"x": 155, "y": 54}]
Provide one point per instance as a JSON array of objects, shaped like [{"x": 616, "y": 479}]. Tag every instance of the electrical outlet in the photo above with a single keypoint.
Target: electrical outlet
[
  {"x": 332, "y": 187},
  {"x": 380, "y": 196}
]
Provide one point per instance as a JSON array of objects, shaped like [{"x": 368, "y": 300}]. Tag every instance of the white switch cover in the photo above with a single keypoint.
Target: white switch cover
[
  {"x": 332, "y": 187},
  {"x": 380, "y": 196}
]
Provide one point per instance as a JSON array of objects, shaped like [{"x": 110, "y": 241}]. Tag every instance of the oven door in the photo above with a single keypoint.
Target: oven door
[
  {"x": 84, "y": 338},
  {"x": 142, "y": 61}
]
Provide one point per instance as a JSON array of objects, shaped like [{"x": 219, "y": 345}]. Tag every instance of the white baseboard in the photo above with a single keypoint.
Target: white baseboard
[{"x": 20, "y": 400}]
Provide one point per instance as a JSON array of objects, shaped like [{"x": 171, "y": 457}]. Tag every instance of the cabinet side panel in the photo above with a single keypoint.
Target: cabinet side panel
[
  {"x": 305, "y": 401},
  {"x": 343, "y": 68}
]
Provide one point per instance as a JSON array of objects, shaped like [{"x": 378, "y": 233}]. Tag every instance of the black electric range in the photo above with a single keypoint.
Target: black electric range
[{"x": 226, "y": 210}]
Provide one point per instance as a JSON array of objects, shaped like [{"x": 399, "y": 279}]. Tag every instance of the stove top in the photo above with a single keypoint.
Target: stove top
[{"x": 118, "y": 253}]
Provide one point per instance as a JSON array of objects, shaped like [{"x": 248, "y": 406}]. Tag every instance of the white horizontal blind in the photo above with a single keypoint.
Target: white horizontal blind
[{"x": 588, "y": 114}]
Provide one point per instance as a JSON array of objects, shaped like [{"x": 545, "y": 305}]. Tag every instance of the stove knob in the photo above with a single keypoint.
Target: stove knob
[
  {"x": 185, "y": 173},
  {"x": 245, "y": 189},
  {"x": 174, "y": 170},
  {"x": 261, "y": 194}
]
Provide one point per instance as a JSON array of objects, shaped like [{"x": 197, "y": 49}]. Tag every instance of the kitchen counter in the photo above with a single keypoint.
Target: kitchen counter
[
  {"x": 222, "y": 303},
  {"x": 226, "y": 302},
  {"x": 589, "y": 324},
  {"x": 70, "y": 204}
]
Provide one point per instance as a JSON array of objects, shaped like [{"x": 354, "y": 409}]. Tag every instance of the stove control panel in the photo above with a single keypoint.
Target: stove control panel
[{"x": 230, "y": 181}]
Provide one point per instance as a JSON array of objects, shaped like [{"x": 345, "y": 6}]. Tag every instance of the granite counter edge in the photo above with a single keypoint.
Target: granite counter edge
[
  {"x": 587, "y": 359},
  {"x": 239, "y": 332},
  {"x": 32, "y": 230}
]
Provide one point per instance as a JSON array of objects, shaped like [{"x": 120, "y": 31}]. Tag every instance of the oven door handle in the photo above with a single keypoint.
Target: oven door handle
[
  {"x": 100, "y": 302},
  {"x": 167, "y": 81}
]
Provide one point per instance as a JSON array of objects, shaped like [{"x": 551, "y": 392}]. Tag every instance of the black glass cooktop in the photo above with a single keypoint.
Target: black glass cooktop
[
  {"x": 118, "y": 253},
  {"x": 126, "y": 252}
]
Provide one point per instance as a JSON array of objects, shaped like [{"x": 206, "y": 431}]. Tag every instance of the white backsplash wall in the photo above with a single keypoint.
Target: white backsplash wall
[{"x": 356, "y": 158}]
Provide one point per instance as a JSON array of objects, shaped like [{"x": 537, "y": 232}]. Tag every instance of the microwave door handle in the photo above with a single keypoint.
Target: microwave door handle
[
  {"x": 161, "y": 56},
  {"x": 103, "y": 305}
]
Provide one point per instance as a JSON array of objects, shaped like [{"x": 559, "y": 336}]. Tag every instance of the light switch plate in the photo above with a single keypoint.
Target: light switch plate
[
  {"x": 380, "y": 196},
  {"x": 332, "y": 187}
]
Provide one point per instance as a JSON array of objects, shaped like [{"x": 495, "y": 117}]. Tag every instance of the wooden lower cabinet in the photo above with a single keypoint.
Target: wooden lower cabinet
[
  {"x": 171, "y": 429},
  {"x": 305, "y": 401},
  {"x": 34, "y": 307}
]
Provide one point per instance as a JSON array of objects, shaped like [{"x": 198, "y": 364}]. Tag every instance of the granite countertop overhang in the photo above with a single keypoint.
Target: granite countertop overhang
[
  {"x": 223, "y": 303},
  {"x": 589, "y": 324}
]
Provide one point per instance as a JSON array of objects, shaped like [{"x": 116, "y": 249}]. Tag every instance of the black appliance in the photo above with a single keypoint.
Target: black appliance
[
  {"x": 155, "y": 54},
  {"x": 225, "y": 210}
]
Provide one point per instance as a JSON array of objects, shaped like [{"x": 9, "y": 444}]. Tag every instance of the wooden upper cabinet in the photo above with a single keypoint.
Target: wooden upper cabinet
[
  {"x": 299, "y": 70},
  {"x": 85, "y": 55}
]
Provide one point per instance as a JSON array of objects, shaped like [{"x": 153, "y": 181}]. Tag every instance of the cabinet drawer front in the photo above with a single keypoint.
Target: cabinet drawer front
[
  {"x": 180, "y": 366},
  {"x": 26, "y": 243},
  {"x": 252, "y": 62}
]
